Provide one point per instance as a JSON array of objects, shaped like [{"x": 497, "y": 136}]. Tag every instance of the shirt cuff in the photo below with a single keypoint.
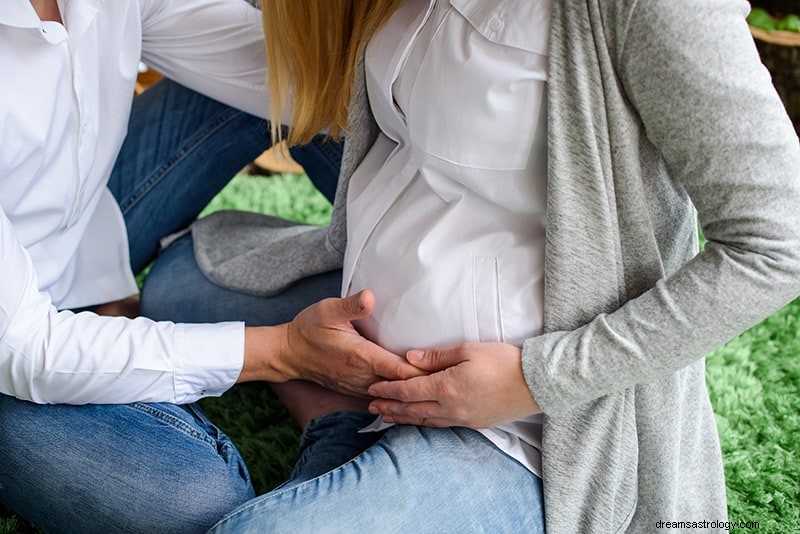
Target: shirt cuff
[{"x": 208, "y": 359}]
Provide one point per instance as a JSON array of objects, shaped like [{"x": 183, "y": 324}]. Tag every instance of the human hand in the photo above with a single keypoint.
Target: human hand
[
  {"x": 127, "y": 307},
  {"x": 475, "y": 385},
  {"x": 321, "y": 345}
]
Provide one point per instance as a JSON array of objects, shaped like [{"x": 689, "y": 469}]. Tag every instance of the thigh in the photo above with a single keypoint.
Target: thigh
[
  {"x": 181, "y": 149},
  {"x": 413, "y": 479},
  {"x": 117, "y": 468},
  {"x": 176, "y": 290}
]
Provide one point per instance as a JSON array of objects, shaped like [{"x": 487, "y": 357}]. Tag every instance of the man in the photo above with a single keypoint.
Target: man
[{"x": 80, "y": 213}]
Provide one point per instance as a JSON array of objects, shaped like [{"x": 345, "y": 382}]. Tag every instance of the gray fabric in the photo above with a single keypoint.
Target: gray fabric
[
  {"x": 655, "y": 108},
  {"x": 362, "y": 131},
  {"x": 257, "y": 254},
  {"x": 685, "y": 110},
  {"x": 261, "y": 255}
]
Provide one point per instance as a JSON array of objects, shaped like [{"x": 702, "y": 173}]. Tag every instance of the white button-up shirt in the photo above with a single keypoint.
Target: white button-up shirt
[
  {"x": 64, "y": 105},
  {"x": 446, "y": 213}
]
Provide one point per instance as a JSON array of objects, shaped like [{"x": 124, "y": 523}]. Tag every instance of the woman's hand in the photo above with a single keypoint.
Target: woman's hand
[
  {"x": 475, "y": 385},
  {"x": 322, "y": 346}
]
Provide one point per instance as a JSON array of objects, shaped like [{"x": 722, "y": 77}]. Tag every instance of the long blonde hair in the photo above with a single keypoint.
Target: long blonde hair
[{"x": 313, "y": 47}]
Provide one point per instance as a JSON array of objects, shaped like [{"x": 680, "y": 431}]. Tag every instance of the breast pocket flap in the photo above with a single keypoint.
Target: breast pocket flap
[{"x": 516, "y": 23}]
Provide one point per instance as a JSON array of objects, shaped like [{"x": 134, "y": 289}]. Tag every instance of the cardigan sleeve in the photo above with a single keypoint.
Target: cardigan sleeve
[{"x": 705, "y": 101}]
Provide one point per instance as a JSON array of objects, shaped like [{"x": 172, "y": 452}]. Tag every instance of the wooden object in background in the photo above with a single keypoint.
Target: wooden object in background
[
  {"x": 277, "y": 161},
  {"x": 780, "y": 52},
  {"x": 145, "y": 80},
  {"x": 777, "y": 37}
]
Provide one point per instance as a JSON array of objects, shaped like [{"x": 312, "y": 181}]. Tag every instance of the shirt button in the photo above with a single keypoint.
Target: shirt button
[
  {"x": 496, "y": 23},
  {"x": 85, "y": 127}
]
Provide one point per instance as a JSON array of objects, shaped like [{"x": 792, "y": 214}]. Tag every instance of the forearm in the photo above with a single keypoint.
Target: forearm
[
  {"x": 710, "y": 125},
  {"x": 674, "y": 324},
  {"x": 60, "y": 357},
  {"x": 47, "y": 356},
  {"x": 263, "y": 347}
]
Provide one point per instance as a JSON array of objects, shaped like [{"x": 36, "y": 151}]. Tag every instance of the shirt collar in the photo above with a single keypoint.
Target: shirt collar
[
  {"x": 18, "y": 13},
  {"x": 79, "y": 14}
]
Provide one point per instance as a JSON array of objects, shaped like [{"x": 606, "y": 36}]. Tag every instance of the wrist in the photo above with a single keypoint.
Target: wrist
[{"x": 265, "y": 354}]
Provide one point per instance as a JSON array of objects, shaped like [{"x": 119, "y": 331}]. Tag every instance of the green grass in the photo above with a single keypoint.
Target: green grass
[
  {"x": 754, "y": 382},
  {"x": 760, "y": 18}
]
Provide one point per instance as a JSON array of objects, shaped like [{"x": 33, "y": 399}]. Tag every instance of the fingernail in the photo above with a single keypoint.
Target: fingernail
[
  {"x": 388, "y": 419},
  {"x": 415, "y": 355},
  {"x": 373, "y": 410}
]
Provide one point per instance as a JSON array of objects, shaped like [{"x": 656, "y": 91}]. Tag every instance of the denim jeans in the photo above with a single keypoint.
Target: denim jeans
[
  {"x": 176, "y": 290},
  {"x": 413, "y": 479},
  {"x": 181, "y": 150},
  {"x": 117, "y": 468},
  {"x": 151, "y": 467}
]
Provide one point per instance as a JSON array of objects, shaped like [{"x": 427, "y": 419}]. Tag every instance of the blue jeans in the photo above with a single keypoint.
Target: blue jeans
[
  {"x": 150, "y": 467},
  {"x": 182, "y": 148},
  {"x": 413, "y": 479},
  {"x": 122, "y": 468},
  {"x": 176, "y": 290}
]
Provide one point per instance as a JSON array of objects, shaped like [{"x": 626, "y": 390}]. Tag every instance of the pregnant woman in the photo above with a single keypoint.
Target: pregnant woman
[{"x": 522, "y": 181}]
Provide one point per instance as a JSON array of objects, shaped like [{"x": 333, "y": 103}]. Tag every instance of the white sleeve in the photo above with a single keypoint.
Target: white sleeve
[
  {"x": 216, "y": 47},
  {"x": 47, "y": 356}
]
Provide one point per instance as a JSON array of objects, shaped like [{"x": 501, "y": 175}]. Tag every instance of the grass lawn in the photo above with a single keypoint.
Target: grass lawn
[{"x": 754, "y": 383}]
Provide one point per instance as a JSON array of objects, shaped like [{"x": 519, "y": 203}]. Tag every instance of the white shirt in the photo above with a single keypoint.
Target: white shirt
[
  {"x": 446, "y": 213},
  {"x": 64, "y": 105}
]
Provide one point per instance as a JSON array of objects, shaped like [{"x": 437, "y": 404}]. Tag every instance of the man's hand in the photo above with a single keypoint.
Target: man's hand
[
  {"x": 127, "y": 307},
  {"x": 321, "y": 345},
  {"x": 475, "y": 385}
]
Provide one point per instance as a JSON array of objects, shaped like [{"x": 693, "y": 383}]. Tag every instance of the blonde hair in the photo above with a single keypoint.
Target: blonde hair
[{"x": 313, "y": 48}]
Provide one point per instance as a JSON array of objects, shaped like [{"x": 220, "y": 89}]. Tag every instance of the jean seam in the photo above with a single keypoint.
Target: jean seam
[
  {"x": 181, "y": 154},
  {"x": 278, "y": 492},
  {"x": 175, "y": 422}
]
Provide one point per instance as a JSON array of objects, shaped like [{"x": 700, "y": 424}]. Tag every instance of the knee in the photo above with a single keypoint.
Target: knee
[
  {"x": 193, "y": 505},
  {"x": 112, "y": 469},
  {"x": 22, "y": 426}
]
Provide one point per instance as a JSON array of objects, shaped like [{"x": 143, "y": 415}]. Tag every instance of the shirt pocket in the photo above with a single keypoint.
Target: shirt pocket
[
  {"x": 522, "y": 24},
  {"x": 486, "y": 303},
  {"x": 507, "y": 296},
  {"x": 480, "y": 88}
]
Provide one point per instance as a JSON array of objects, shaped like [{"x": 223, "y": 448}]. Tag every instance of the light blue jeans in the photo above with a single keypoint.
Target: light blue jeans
[{"x": 413, "y": 479}]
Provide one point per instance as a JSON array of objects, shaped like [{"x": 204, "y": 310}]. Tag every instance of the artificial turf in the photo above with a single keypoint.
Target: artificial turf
[{"x": 754, "y": 383}]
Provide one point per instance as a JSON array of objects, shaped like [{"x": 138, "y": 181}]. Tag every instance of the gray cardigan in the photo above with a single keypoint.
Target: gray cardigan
[{"x": 657, "y": 108}]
